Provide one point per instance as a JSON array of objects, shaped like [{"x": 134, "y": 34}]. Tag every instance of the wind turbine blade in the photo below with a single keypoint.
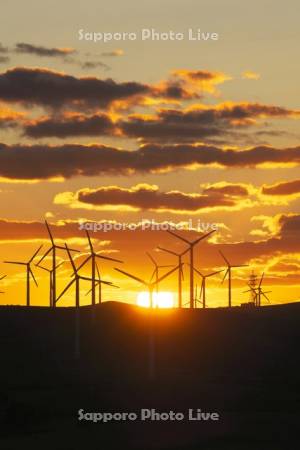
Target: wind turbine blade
[
  {"x": 163, "y": 267},
  {"x": 2, "y": 278},
  {"x": 71, "y": 259},
  {"x": 167, "y": 274},
  {"x": 224, "y": 257},
  {"x": 115, "y": 286},
  {"x": 201, "y": 290},
  {"x": 225, "y": 276},
  {"x": 60, "y": 264},
  {"x": 181, "y": 272},
  {"x": 214, "y": 273},
  {"x": 88, "y": 292},
  {"x": 64, "y": 248},
  {"x": 253, "y": 289},
  {"x": 49, "y": 232},
  {"x": 100, "y": 281},
  {"x": 98, "y": 272},
  {"x": 32, "y": 258},
  {"x": 90, "y": 242},
  {"x": 84, "y": 262},
  {"x": 33, "y": 277},
  {"x": 43, "y": 268},
  {"x": 203, "y": 237},
  {"x": 265, "y": 297},
  {"x": 109, "y": 283},
  {"x": 151, "y": 258},
  {"x": 108, "y": 258},
  {"x": 185, "y": 251},
  {"x": 261, "y": 280},
  {"x": 167, "y": 251},
  {"x": 241, "y": 265},
  {"x": 198, "y": 272},
  {"x": 179, "y": 237},
  {"x": 15, "y": 262},
  {"x": 152, "y": 276},
  {"x": 131, "y": 276},
  {"x": 66, "y": 288},
  {"x": 44, "y": 256}
]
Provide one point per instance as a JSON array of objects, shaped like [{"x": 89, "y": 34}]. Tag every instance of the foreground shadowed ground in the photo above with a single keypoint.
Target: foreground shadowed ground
[{"x": 243, "y": 364}]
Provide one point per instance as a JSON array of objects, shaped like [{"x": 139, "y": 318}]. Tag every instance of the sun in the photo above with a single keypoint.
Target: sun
[{"x": 160, "y": 299}]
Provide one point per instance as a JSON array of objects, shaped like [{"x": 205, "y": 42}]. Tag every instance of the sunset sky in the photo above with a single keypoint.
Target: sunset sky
[{"x": 141, "y": 130}]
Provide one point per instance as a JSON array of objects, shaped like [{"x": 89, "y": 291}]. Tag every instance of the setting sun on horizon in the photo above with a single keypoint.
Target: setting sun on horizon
[{"x": 160, "y": 299}]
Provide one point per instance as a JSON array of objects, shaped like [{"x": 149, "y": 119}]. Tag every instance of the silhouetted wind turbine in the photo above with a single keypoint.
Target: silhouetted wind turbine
[
  {"x": 196, "y": 296},
  {"x": 259, "y": 292},
  {"x": 180, "y": 271},
  {"x": 191, "y": 250},
  {"x": 76, "y": 280},
  {"x": 151, "y": 347},
  {"x": 155, "y": 273},
  {"x": 203, "y": 284},
  {"x": 228, "y": 272},
  {"x": 150, "y": 284},
  {"x": 50, "y": 271},
  {"x": 53, "y": 249},
  {"x": 98, "y": 283},
  {"x": 93, "y": 255},
  {"x": 29, "y": 273},
  {"x": 2, "y": 278}
]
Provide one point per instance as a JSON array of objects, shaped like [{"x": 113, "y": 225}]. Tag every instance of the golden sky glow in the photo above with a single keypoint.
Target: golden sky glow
[{"x": 170, "y": 132}]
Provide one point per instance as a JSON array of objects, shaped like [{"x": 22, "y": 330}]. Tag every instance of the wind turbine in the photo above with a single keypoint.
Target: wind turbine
[
  {"x": 53, "y": 249},
  {"x": 93, "y": 256},
  {"x": 259, "y": 292},
  {"x": 150, "y": 284},
  {"x": 155, "y": 273},
  {"x": 196, "y": 296},
  {"x": 98, "y": 283},
  {"x": 29, "y": 273},
  {"x": 2, "y": 278},
  {"x": 191, "y": 250},
  {"x": 151, "y": 346},
  {"x": 203, "y": 284},
  {"x": 50, "y": 271},
  {"x": 228, "y": 272},
  {"x": 76, "y": 280},
  {"x": 180, "y": 271}
]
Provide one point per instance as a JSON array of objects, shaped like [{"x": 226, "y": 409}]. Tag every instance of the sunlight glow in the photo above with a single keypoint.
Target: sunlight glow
[{"x": 160, "y": 299}]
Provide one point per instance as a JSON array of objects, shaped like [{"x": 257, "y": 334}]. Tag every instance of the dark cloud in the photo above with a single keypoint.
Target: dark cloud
[
  {"x": 234, "y": 190},
  {"x": 7, "y": 123},
  {"x": 202, "y": 75},
  {"x": 68, "y": 126},
  {"x": 146, "y": 197},
  {"x": 198, "y": 123},
  {"x": 172, "y": 90},
  {"x": 284, "y": 188},
  {"x": 42, "y": 161},
  {"x": 290, "y": 226},
  {"x": 4, "y": 59},
  {"x": 54, "y": 89},
  {"x": 285, "y": 266},
  {"x": 3, "y": 49},
  {"x": 30, "y": 49},
  {"x": 94, "y": 65}
]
